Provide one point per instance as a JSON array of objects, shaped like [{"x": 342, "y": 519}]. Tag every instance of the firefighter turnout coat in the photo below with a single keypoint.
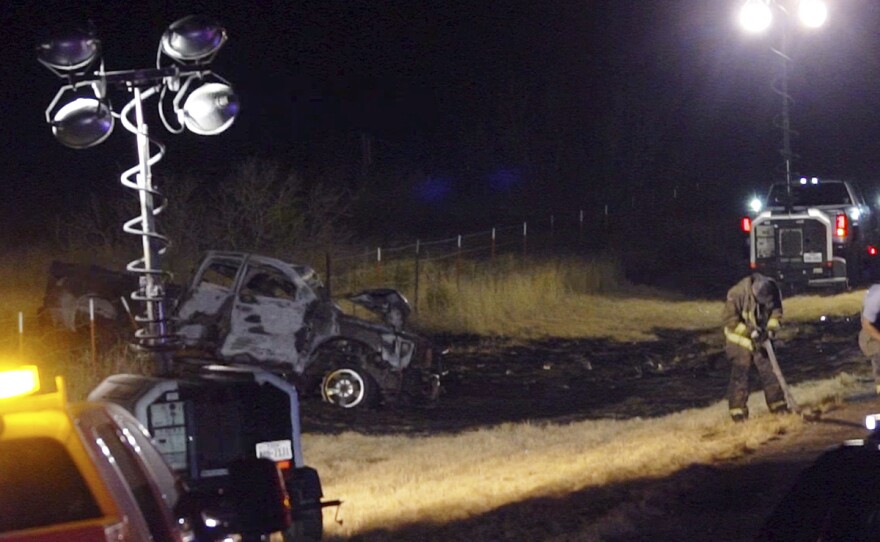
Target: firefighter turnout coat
[{"x": 743, "y": 313}]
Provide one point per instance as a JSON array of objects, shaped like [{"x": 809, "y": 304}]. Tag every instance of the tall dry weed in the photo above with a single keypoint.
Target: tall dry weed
[{"x": 587, "y": 297}]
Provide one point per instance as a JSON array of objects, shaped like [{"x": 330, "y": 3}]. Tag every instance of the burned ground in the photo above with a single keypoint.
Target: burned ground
[
  {"x": 558, "y": 381},
  {"x": 495, "y": 381}
]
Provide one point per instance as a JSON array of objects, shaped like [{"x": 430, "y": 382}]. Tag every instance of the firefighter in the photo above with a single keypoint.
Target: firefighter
[
  {"x": 869, "y": 336},
  {"x": 751, "y": 316}
]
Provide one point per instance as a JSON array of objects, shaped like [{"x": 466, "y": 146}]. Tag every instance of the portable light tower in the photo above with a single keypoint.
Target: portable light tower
[
  {"x": 203, "y": 103},
  {"x": 757, "y": 16}
]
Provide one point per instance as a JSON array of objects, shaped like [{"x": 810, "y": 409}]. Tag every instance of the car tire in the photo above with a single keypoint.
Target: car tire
[
  {"x": 308, "y": 528},
  {"x": 349, "y": 386}
]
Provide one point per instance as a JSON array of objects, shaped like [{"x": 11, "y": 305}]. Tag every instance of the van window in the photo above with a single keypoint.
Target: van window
[
  {"x": 808, "y": 195},
  {"x": 40, "y": 486}
]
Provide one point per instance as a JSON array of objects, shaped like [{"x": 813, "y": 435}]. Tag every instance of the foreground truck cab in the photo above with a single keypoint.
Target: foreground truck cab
[
  {"x": 89, "y": 471},
  {"x": 816, "y": 233},
  {"x": 207, "y": 417}
]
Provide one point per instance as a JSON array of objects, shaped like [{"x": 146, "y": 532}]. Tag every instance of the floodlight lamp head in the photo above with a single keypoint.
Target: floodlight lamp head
[
  {"x": 210, "y": 109},
  {"x": 192, "y": 39},
  {"x": 74, "y": 50},
  {"x": 82, "y": 123},
  {"x": 813, "y": 13},
  {"x": 755, "y": 16}
]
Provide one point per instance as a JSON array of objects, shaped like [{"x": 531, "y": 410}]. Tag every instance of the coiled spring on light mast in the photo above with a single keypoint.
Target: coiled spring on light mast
[{"x": 154, "y": 330}]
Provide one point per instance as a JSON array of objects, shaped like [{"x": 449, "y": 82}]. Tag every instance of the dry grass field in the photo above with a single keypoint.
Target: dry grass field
[
  {"x": 392, "y": 482},
  {"x": 578, "y": 298}
]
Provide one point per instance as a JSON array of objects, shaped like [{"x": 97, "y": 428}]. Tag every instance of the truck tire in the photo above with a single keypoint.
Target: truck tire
[
  {"x": 304, "y": 488},
  {"x": 307, "y": 528},
  {"x": 349, "y": 386}
]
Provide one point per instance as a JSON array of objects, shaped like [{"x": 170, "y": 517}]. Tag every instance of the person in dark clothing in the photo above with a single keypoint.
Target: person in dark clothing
[{"x": 752, "y": 315}]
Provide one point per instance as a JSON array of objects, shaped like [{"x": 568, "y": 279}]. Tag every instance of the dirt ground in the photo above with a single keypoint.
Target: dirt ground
[{"x": 493, "y": 382}]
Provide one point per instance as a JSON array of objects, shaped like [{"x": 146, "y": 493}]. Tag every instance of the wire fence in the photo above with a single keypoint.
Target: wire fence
[
  {"x": 691, "y": 219},
  {"x": 407, "y": 267}
]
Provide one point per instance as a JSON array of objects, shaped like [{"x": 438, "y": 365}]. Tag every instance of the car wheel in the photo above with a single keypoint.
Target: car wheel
[
  {"x": 308, "y": 528},
  {"x": 349, "y": 386}
]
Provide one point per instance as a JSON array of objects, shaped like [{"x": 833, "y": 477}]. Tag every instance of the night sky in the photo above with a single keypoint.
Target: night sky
[{"x": 569, "y": 103}]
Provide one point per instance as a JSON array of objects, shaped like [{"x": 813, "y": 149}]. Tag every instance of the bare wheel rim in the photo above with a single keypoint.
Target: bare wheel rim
[{"x": 344, "y": 388}]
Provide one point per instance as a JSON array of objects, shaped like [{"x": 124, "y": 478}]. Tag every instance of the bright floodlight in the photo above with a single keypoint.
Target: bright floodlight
[
  {"x": 193, "y": 38},
  {"x": 755, "y": 16},
  {"x": 756, "y": 205},
  {"x": 73, "y": 51},
  {"x": 82, "y": 123},
  {"x": 813, "y": 13},
  {"x": 210, "y": 109}
]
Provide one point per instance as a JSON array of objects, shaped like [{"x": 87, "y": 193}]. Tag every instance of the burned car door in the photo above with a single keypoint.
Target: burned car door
[
  {"x": 203, "y": 307},
  {"x": 268, "y": 317}
]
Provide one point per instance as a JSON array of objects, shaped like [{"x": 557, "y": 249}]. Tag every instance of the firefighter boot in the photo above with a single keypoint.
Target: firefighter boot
[
  {"x": 779, "y": 407},
  {"x": 739, "y": 415}
]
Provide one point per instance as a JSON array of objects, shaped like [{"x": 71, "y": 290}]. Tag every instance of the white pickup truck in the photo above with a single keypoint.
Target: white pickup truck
[{"x": 813, "y": 233}]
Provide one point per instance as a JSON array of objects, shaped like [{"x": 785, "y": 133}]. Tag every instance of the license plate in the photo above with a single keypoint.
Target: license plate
[
  {"x": 812, "y": 257},
  {"x": 276, "y": 450}
]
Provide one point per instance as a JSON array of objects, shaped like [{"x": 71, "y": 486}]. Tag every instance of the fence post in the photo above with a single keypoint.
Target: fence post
[
  {"x": 328, "y": 271},
  {"x": 416, "y": 293},
  {"x": 581, "y": 225},
  {"x": 20, "y": 333},
  {"x": 525, "y": 238},
  {"x": 458, "y": 264},
  {"x": 92, "y": 331},
  {"x": 492, "y": 255},
  {"x": 379, "y": 266}
]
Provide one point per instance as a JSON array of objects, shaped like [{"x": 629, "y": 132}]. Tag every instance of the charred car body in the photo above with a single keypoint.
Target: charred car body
[{"x": 255, "y": 310}]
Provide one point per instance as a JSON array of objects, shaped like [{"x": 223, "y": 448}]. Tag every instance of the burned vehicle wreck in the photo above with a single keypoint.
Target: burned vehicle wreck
[{"x": 249, "y": 309}]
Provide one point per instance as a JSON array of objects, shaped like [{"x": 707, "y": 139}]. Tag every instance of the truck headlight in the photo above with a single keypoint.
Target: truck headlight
[
  {"x": 756, "y": 205},
  {"x": 854, "y": 212}
]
